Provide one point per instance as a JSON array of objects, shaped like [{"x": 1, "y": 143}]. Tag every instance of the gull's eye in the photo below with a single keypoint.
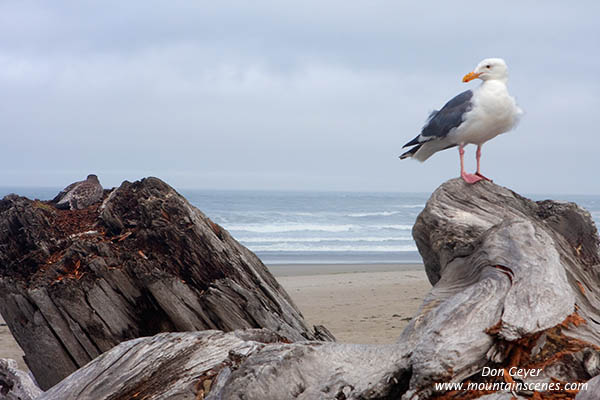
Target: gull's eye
[{"x": 488, "y": 66}]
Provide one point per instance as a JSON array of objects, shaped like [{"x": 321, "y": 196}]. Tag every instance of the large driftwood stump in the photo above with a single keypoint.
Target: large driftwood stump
[
  {"x": 516, "y": 286},
  {"x": 73, "y": 284}
]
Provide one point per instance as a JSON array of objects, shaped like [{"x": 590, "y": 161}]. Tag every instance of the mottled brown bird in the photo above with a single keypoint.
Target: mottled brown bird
[{"x": 80, "y": 194}]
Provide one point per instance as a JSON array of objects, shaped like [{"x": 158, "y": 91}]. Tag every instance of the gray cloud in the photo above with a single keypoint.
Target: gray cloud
[{"x": 303, "y": 95}]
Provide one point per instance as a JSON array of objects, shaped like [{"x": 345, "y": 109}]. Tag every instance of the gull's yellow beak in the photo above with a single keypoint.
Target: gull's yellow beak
[{"x": 470, "y": 76}]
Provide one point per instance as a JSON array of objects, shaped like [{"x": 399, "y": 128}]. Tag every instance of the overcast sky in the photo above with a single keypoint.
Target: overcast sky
[{"x": 317, "y": 95}]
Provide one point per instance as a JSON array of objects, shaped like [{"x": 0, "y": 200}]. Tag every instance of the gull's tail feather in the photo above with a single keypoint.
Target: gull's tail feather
[
  {"x": 425, "y": 150},
  {"x": 410, "y": 153},
  {"x": 413, "y": 142}
]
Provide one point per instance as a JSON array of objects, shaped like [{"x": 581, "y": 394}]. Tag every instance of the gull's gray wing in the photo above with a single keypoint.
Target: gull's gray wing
[{"x": 441, "y": 122}]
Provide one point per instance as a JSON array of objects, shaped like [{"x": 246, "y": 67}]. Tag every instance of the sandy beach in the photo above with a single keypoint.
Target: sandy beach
[
  {"x": 364, "y": 303},
  {"x": 8, "y": 347},
  {"x": 358, "y": 303}
]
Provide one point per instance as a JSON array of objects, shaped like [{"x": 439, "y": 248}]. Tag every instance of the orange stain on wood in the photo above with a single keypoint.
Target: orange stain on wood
[{"x": 573, "y": 319}]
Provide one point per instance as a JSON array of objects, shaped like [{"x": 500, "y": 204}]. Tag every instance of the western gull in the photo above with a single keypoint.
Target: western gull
[
  {"x": 474, "y": 116},
  {"x": 80, "y": 194}
]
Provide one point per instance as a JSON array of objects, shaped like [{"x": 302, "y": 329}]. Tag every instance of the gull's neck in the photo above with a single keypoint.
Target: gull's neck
[
  {"x": 494, "y": 83},
  {"x": 504, "y": 81}
]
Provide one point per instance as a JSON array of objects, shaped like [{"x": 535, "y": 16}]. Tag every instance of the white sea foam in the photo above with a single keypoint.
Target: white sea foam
[
  {"x": 374, "y": 214},
  {"x": 298, "y": 227},
  {"x": 310, "y": 214},
  {"x": 384, "y": 213},
  {"x": 392, "y": 226},
  {"x": 349, "y": 248},
  {"x": 274, "y": 228},
  {"x": 270, "y": 239}
]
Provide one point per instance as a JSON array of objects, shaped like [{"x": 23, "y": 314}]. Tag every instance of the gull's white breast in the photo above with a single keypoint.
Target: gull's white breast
[{"x": 494, "y": 112}]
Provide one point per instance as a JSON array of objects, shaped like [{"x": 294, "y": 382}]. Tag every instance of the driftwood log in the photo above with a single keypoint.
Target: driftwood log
[
  {"x": 74, "y": 284},
  {"x": 516, "y": 287},
  {"x": 16, "y": 384},
  {"x": 592, "y": 392},
  {"x": 165, "y": 366}
]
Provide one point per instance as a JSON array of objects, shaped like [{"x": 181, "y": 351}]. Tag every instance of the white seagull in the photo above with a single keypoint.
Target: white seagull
[{"x": 474, "y": 116}]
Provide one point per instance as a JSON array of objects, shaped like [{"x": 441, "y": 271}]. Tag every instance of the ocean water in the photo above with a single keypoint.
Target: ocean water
[
  {"x": 319, "y": 227},
  {"x": 313, "y": 227}
]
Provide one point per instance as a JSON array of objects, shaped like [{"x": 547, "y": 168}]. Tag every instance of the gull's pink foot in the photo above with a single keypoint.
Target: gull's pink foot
[
  {"x": 484, "y": 177},
  {"x": 471, "y": 178}
]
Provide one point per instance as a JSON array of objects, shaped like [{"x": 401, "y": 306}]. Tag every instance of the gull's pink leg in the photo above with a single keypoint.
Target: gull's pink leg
[
  {"x": 469, "y": 178},
  {"x": 478, "y": 156}
]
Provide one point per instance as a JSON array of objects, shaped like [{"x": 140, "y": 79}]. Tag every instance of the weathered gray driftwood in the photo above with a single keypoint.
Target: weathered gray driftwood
[
  {"x": 250, "y": 364},
  {"x": 73, "y": 284},
  {"x": 516, "y": 285},
  {"x": 16, "y": 384},
  {"x": 165, "y": 366},
  {"x": 592, "y": 391},
  {"x": 501, "y": 396}
]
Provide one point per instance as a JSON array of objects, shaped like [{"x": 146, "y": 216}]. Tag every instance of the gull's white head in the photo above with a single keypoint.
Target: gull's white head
[{"x": 488, "y": 69}]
